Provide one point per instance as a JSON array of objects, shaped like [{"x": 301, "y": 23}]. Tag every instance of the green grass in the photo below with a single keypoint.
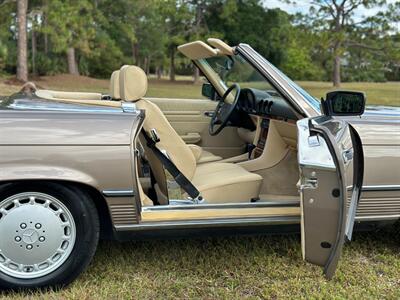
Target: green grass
[
  {"x": 266, "y": 267},
  {"x": 257, "y": 267}
]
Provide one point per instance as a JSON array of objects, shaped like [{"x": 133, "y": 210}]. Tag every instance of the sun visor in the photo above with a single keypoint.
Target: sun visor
[
  {"x": 197, "y": 50},
  {"x": 221, "y": 46}
]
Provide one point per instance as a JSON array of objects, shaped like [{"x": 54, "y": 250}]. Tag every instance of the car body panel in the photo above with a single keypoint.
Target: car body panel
[
  {"x": 93, "y": 147},
  {"x": 379, "y": 130}
]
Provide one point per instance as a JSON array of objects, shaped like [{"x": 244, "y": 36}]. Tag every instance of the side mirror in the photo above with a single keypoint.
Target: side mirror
[
  {"x": 208, "y": 91},
  {"x": 344, "y": 103}
]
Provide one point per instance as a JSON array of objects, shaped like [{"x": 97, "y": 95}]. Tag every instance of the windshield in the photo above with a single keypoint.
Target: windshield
[
  {"x": 223, "y": 71},
  {"x": 310, "y": 99}
]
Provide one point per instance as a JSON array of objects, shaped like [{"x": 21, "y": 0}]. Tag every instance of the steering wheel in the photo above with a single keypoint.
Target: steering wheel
[{"x": 223, "y": 111}]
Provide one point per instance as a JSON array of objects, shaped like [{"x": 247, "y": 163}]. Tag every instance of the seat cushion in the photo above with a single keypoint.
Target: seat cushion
[
  {"x": 203, "y": 156},
  {"x": 207, "y": 157},
  {"x": 226, "y": 183}
]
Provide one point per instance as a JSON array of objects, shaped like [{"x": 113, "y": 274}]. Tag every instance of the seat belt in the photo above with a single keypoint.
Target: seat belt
[{"x": 180, "y": 179}]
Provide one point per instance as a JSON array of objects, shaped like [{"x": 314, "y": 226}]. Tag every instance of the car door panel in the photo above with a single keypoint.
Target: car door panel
[
  {"x": 330, "y": 159},
  {"x": 189, "y": 119}
]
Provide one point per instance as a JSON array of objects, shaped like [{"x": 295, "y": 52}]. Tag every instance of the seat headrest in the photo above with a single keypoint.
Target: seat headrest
[
  {"x": 114, "y": 85},
  {"x": 132, "y": 83}
]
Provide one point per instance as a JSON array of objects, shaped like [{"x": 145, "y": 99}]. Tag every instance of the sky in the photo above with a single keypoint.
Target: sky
[{"x": 303, "y": 6}]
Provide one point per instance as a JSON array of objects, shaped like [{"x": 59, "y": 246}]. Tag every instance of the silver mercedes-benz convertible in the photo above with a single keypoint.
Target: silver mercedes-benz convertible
[{"x": 256, "y": 153}]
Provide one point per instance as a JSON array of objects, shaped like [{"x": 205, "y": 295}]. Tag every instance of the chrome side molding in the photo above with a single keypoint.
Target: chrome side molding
[
  {"x": 377, "y": 188},
  {"x": 118, "y": 193}
]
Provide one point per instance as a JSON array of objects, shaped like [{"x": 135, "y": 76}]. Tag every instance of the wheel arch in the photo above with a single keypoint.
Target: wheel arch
[{"x": 106, "y": 227}]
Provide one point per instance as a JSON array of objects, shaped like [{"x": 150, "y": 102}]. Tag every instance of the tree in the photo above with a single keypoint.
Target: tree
[
  {"x": 337, "y": 18},
  {"x": 266, "y": 30},
  {"x": 22, "y": 49},
  {"x": 70, "y": 24},
  {"x": 178, "y": 19}
]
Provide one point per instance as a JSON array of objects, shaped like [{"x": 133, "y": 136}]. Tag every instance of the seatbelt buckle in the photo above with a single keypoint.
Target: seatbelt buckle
[{"x": 154, "y": 136}]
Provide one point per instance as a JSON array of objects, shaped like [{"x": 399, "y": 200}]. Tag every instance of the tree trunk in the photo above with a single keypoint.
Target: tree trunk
[
  {"x": 46, "y": 38},
  {"x": 46, "y": 44},
  {"x": 135, "y": 54},
  {"x": 148, "y": 65},
  {"x": 22, "y": 60},
  {"x": 172, "y": 66},
  {"x": 336, "y": 64},
  {"x": 33, "y": 45},
  {"x": 72, "y": 64},
  {"x": 196, "y": 75},
  {"x": 159, "y": 73}
]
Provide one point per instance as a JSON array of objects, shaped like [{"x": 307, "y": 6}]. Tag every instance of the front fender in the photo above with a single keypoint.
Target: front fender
[
  {"x": 44, "y": 172},
  {"x": 102, "y": 167}
]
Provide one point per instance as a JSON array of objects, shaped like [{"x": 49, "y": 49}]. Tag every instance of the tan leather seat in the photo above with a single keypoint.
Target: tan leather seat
[
  {"x": 217, "y": 182},
  {"x": 202, "y": 156},
  {"x": 114, "y": 86}
]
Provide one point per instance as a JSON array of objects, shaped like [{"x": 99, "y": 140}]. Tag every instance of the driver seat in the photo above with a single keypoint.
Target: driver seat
[{"x": 217, "y": 182}]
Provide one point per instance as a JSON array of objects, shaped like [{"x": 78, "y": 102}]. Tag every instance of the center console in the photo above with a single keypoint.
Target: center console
[{"x": 262, "y": 139}]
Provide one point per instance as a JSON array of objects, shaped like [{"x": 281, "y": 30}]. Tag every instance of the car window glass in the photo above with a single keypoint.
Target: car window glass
[{"x": 226, "y": 70}]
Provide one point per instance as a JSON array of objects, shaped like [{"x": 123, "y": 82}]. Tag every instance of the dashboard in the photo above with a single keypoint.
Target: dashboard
[{"x": 265, "y": 103}]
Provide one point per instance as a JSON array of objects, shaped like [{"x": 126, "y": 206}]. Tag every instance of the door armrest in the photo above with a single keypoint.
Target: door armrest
[{"x": 191, "y": 138}]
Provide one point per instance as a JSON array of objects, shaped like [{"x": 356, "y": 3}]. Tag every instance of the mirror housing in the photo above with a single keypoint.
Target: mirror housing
[
  {"x": 344, "y": 103},
  {"x": 208, "y": 91}
]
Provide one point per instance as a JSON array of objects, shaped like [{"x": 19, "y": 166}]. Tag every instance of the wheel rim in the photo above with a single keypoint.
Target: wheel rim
[{"x": 38, "y": 234}]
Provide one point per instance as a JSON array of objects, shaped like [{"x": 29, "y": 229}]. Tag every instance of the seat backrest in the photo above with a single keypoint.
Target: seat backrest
[
  {"x": 114, "y": 86},
  {"x": 133, "y": 87}
]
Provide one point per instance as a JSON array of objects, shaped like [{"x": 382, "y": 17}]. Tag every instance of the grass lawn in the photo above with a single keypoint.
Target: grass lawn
[{"x": 231, "y": 267}]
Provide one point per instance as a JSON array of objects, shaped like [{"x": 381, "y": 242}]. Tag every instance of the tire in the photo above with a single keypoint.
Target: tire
[{"x": 71, "y": 220}]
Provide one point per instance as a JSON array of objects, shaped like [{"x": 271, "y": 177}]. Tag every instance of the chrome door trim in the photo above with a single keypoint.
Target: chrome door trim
[
  {"x": 211, "y": 223},
  {"x": 118, "y": 193},
  {"x": 284, "y": 220},
  {"x": 280, "y": 203},
  {"x": 377, "y": 218},
  {"x": 378, "y": 188},
  {"x": 128, "y": 107},
  {"x": 370, "y": 188}
]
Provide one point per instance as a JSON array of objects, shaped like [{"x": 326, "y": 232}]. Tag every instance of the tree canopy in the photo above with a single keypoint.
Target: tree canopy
[{"x": 95, "y": 37}]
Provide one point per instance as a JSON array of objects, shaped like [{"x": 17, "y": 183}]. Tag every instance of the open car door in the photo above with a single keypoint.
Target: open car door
[{"x": 331, "y": 161}]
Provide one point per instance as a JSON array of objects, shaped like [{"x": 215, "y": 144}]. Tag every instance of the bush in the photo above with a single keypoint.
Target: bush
[
  {"x": 50, "y": 64},
  {"x": 3, "y": 56}
]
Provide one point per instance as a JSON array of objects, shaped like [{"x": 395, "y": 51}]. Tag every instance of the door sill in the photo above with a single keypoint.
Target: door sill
[{"x": 171, "y": 213}]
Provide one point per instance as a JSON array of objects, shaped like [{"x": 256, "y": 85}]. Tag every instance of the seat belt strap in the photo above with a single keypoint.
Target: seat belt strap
[{"x": 168, "y": 164}]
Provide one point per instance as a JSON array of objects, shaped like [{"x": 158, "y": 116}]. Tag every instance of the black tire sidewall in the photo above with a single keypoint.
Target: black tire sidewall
[{"x": 87, "y": 234}]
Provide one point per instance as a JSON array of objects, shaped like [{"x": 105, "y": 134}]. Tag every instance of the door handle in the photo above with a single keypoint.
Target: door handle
[
  {"x": 348, "y": 155},
  {"x": 209, "y": 114}
]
